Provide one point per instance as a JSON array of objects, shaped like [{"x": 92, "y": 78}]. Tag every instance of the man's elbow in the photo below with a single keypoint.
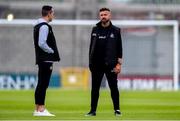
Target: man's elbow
[{"x": 41, "y": 44}]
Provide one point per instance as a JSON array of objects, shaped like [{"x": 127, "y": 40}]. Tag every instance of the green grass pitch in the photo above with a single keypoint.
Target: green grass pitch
[{"x": 69, "y": 104}]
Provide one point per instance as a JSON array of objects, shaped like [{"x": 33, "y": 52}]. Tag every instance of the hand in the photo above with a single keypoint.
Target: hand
[{"x": 117, "y": 69}]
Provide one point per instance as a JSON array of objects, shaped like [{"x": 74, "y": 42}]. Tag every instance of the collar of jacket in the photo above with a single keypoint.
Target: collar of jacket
[{"x": 99, "y": 24}]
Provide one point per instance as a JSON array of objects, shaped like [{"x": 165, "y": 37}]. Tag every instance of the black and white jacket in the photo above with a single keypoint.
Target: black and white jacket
[{"x": 114, "y": 45}]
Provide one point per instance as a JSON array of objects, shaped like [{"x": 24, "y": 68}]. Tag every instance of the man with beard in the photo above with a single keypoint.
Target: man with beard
[{"x": 105, "y": 57}]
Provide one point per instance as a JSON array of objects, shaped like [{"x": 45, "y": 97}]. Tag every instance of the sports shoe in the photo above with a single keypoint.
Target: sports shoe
[
  {"x": 117, "y": 113},
  {"x": 91, "y": 113},
  {"x": 44, "y": 113}
]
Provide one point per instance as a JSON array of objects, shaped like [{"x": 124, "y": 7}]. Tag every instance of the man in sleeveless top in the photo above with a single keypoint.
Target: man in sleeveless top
[{"x": 46, "y": 53}]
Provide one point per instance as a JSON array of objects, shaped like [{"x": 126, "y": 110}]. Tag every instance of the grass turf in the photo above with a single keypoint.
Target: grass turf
[{"x": 74, "y": 104}]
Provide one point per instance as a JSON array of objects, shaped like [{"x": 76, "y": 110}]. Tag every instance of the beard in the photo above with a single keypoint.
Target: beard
[
  {"x": 50, "y": 20},
  {"x": 104, "y": 21}
]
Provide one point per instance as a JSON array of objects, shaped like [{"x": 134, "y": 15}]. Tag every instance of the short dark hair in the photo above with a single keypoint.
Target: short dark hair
[
  {"x": 46, "y": 9},
  {"x": 104, "y": 9}
]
